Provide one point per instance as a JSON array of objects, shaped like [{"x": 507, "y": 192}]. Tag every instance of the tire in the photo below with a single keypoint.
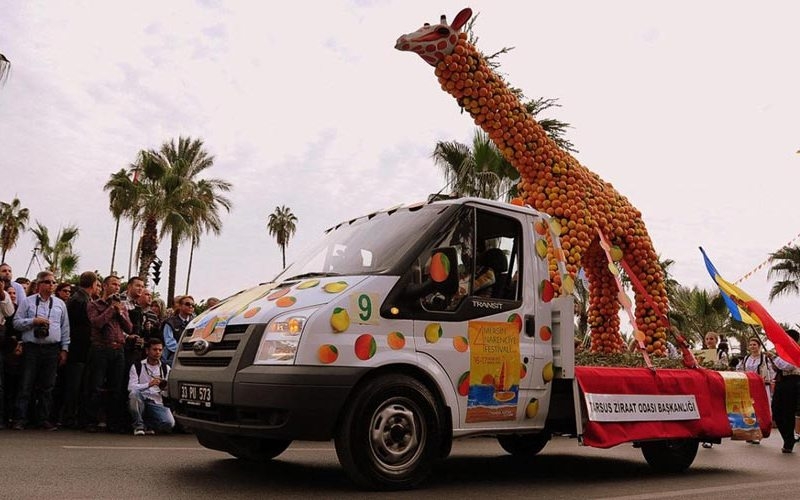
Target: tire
[
  {"x": 672, "y": 455},
  {"x": 524, "y": 445},
  {"x": 244, "y": 448},
  {"x": 390, "y": 436}
]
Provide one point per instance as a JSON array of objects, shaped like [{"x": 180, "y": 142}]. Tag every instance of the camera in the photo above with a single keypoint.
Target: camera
[
  {"x": 162, "y": 384},
  {"x": 115, "y": 298},
  {"x": 41, "y": 331}
]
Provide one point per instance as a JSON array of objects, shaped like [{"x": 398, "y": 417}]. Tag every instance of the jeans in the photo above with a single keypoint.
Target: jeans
[
  {"x": 39, "y": 364},
  {"x": 73, "y": 412},
  {"x": 106, "y": 372},
  {"x": 146, "y": 411}
]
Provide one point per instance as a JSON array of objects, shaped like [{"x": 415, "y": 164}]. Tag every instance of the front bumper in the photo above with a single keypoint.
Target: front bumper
[{"x": 275, "y": 402}]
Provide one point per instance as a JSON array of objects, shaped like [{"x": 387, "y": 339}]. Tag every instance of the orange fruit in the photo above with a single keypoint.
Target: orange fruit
[
  {"x": 285, "y": 301},
  {"x": 251, "y": 312},
  {"x": 440, "y": 267},
  {"x": 396, "y": 340},
  {"x": 327, "y": 353},
  {"x": 278, "y": 293},
  {"x": 365, "y": 347}
]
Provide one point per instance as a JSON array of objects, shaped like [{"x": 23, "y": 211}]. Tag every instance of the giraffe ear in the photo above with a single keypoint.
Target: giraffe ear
[{"x": 461, "y": 19}]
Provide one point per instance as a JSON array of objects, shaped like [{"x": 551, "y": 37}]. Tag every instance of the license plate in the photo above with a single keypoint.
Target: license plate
[{"x": 195, "y": 394}]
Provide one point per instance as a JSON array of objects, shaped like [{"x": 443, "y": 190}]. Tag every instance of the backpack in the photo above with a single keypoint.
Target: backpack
[{"x": 162, "y": 368}]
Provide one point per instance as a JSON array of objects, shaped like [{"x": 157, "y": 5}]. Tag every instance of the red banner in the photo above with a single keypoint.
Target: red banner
[{"x": 639, "y": 404}]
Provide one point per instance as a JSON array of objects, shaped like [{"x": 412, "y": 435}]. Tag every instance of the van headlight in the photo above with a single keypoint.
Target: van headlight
[{"x": 281, "y": 337}]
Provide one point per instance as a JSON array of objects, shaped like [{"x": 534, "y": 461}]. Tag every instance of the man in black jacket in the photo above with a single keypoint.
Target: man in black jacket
[{"x": 89, "y": 287}]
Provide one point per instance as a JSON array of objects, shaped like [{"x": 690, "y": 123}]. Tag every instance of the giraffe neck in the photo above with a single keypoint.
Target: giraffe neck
[{"x": 498, "y": 111}]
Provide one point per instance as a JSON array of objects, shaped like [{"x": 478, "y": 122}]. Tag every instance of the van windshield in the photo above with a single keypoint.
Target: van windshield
[{"x": 369, "y": 245}]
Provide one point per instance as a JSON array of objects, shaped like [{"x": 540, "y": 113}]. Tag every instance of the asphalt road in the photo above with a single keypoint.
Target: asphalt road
[{"x": 70, "y": 464}]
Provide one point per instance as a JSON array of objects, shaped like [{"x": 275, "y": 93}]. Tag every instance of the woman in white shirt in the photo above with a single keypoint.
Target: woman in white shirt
[{"x": 758, "y": 362}]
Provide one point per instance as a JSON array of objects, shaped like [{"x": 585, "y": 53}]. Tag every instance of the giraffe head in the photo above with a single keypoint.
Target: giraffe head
[{"x": 433, "y": 42}]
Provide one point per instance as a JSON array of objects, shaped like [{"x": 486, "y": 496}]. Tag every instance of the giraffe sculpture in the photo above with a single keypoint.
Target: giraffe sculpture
[{"x": 553, "y": 182}]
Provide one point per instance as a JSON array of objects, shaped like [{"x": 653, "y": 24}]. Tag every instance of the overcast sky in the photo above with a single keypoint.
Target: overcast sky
[{"x": 690, "y": 109}]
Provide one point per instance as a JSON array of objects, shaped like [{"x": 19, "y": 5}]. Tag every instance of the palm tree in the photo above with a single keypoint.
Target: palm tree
[
  {"x": 58, "y": 253},
  {"x": 282, "y": 225},
  {"x": 147, "y": 202},
  {"x": 696, "y": 311},
  {"x": 581, "y": 306},
  {"x": 122, "y": 193},
  {"x": 204, "y": 216},
  {"x": 186, "y": 202},
  {"x": 14, "y": 220},
  {"x": 169, "y": 194},
  {"x": 477, "y": 171},
  {"x": 785, "y": 265}
]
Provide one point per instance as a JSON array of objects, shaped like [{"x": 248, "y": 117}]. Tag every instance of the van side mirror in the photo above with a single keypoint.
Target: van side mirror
[
  {"x": 443, "y": 275},
  {"x": 444, "y": 270}
]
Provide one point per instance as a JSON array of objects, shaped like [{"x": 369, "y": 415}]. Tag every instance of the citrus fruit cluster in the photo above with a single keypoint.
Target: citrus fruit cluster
[{"x": 552, "y": 181}]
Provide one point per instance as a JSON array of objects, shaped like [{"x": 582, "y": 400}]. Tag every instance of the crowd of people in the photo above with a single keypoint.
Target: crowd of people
[{"x": 86, "y": 356}]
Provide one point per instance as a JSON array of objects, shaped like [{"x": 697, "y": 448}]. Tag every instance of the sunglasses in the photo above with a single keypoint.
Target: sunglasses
[
  {"x": 188, "y": 304},
  {"x": 46, "y": 282}
]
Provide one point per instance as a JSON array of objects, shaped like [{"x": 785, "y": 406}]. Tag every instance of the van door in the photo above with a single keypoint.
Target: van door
[{"x": 476, "y": 335}]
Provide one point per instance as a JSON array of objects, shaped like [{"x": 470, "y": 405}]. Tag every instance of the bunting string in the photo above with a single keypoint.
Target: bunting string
[{"x": 764, "y": 263}]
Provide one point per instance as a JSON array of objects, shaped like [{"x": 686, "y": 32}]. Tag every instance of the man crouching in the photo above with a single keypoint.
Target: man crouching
[{"x": 146, "y": 381}]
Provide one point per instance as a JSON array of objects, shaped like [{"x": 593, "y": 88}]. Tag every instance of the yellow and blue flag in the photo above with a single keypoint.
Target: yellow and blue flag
[{"x": 746, "y": 309}]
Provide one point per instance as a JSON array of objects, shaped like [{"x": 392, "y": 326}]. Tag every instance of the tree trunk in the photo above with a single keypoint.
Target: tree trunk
[
  {"x": 114, "y": 248},
  {"x": 130, "y": 257},
  {"x": 283, "y": 256},
  {"x": 189, "y": 272},
  {"x": 173, "y": 264},
  {"x": 149, "y": 247}
]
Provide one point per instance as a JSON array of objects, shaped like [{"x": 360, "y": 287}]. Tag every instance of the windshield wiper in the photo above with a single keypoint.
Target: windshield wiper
[{"x": 311, "y": 275}]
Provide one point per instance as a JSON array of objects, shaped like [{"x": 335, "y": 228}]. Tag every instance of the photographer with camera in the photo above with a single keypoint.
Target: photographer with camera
[
  {"x": 110, "y": 327},
  {"x": 44, "y": 324},
  {"x": 146, "y": 381}
]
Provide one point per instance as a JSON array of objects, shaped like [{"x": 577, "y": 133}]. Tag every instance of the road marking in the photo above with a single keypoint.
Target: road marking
[
  {"x": 738, "y": 487},
  {"x": 169, "y": 448}
]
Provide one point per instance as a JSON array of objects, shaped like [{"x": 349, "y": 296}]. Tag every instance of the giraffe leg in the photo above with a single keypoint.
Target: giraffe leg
[
  {"x": 643, "y": 262},
  {"x": 603, "y": 305}
]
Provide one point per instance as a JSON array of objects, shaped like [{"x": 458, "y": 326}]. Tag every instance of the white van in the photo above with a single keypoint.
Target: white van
[{"x": 386, "y": 338}]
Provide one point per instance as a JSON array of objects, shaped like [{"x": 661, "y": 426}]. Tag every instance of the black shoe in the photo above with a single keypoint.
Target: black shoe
[
  {"x": 93, "y": 429},
  {"x": 18, "y": 426},
  {"x": 786, "y": 450},
  {"x": 707, "y": 445},
  {"x": 49, "y": 426}
]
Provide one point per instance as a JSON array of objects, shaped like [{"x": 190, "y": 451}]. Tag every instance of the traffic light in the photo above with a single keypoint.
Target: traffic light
[{"x": 156, "y": 270}]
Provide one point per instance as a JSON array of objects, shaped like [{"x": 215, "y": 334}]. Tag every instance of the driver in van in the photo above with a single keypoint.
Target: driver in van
[{"x": 481, "y": 283}]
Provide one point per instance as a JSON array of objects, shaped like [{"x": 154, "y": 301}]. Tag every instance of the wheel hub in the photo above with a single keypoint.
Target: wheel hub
[{"x": 395, "y": 436}]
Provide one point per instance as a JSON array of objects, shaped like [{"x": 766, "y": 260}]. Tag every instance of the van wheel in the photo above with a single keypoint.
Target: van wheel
[
  {"x": 390, "y": 435},
  {"x": 671, "y": 455},
  {"x": 524, "y": 445}
]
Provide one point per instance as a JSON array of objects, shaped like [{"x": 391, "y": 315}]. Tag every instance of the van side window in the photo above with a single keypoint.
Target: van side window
[{"x": 488, "y": 256}]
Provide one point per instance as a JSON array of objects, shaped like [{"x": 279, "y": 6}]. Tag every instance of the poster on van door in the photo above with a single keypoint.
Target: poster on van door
[{"x": 494, "y": 371}]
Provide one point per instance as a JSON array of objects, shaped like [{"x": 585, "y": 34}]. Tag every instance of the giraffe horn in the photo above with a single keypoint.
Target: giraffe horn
[{"x": 443, "y": 19}]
